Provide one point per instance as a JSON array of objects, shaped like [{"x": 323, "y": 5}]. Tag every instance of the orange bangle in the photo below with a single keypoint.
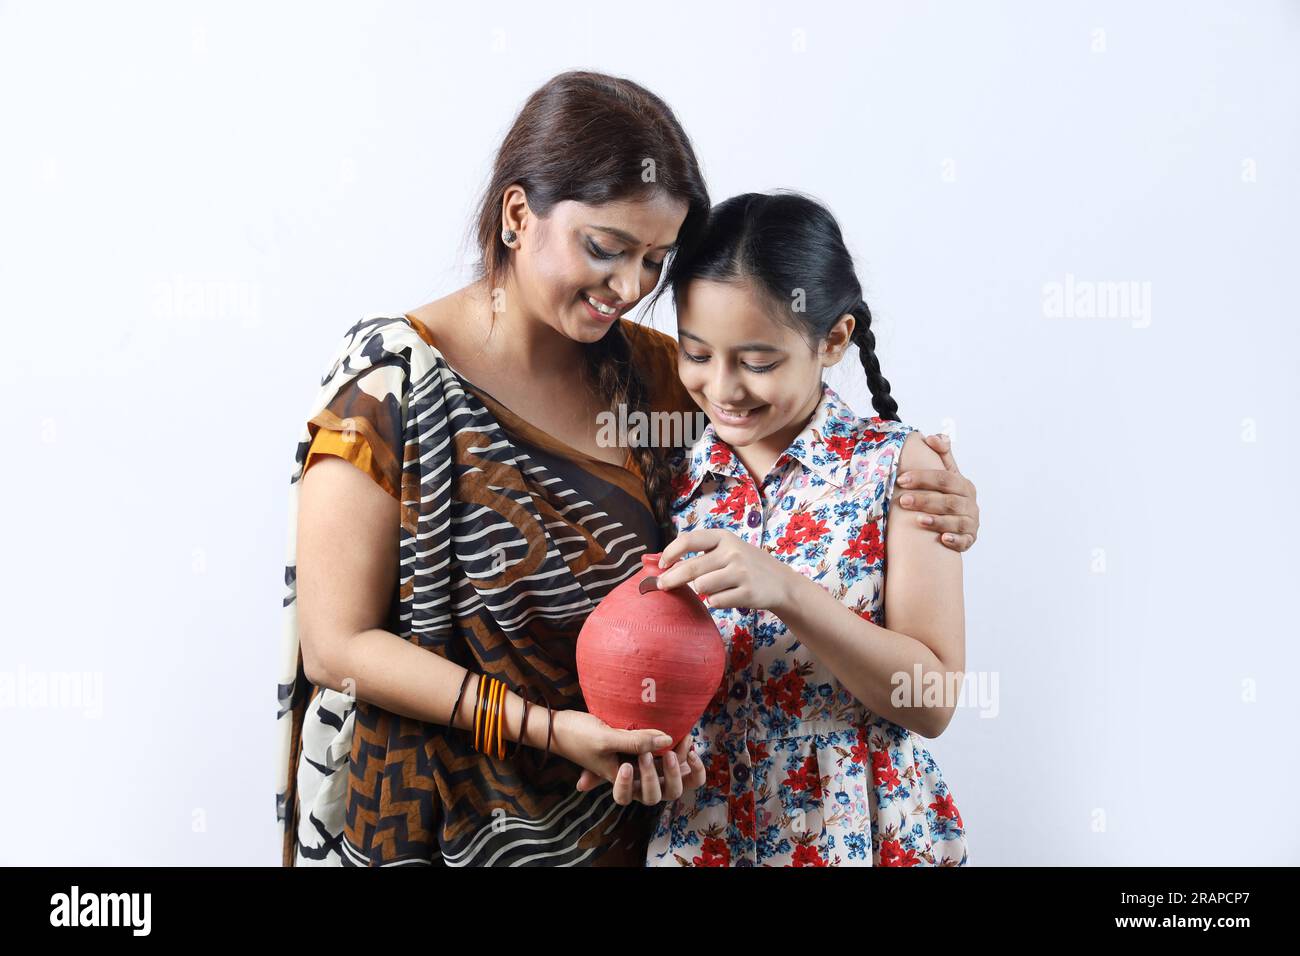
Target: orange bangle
[
  {"x": 487, "y": 715},
  {"x": 493, "y": 716},
  {"x": 501, "y": 712},
  {"x": 478, "y": 709}
]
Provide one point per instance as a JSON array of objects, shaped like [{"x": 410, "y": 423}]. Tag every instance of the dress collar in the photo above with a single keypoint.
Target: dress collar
[{"x": 825, "y": 447}]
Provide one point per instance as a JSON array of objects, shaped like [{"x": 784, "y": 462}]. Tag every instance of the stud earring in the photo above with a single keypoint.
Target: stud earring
[{"x": 508, "y": 236}]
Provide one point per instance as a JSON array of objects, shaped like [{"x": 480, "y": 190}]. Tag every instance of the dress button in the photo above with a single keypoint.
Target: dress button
[
  {"x": 741, "y": 773},
  {"x": 738, "y": 690},
  {"x": 753, "y": 519}
]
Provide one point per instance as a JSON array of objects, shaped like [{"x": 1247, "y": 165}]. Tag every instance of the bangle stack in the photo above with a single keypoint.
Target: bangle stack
[{"x": 489, "y": 712}]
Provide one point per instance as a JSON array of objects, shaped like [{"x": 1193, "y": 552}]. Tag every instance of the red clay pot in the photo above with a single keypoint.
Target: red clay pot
[{"x": 650, "y": 660}]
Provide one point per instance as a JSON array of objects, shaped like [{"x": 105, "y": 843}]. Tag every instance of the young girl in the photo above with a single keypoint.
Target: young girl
[{"x": 812, "y": 742}]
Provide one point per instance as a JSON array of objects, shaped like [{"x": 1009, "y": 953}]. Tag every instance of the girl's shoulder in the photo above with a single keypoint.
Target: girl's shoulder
[
  {"x": 857, "y": 454},
  {"x": 840, "y": 436}
]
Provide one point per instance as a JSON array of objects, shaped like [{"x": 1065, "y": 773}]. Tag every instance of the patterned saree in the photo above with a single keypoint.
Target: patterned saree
[{"x": 508, "y": 540}]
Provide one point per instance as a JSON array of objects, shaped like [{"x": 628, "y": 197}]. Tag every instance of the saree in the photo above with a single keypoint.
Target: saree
[{"x": 508, "y": 540}]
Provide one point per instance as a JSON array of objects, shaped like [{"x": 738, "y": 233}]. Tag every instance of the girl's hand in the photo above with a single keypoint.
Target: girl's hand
[
  {"x": 598, "y": 748},
  {"x": 682, "y": 770},
  {"x": 729, "y": 572},
  {"x": 946, "y": 499}
]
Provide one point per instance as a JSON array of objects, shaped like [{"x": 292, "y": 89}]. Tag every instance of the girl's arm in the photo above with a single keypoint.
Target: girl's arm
[
  {"x": 923, "y": 603},
  {"x": 943, "y": 497},
  {"x": 924, "y": 617}
]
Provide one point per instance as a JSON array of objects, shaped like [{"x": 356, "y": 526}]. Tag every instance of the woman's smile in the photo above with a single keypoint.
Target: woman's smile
[{"x": 600, "y": 309}]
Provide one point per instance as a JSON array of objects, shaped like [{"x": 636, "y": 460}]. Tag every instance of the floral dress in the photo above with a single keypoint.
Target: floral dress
[{"x": 801, "y": 773}]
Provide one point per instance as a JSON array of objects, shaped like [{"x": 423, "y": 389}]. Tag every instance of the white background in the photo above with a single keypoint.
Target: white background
[{"x": 198, "y": 199}]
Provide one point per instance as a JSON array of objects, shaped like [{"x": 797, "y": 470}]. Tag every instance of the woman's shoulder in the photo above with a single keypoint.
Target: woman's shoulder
[{"x": 382, "y": 344}]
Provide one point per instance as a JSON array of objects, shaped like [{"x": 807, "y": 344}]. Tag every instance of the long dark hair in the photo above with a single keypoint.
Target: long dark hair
[
  {"x": 790, "y": 247},
  {"x": 591, "y": 138}
]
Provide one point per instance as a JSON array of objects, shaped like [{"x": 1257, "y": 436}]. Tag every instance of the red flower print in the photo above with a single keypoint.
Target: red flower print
[
  {"x": 719, "y": 454},
  {"x": 883, "y": 772},
  {"x": 786, "y": 693},
  {"x": 742, "y": 650},
  {"x": 842, "y": 445},
  {"x": 742, "y": 814},
  {"x": 801, "y": 529},
  {"x": 718, "y": 776},
  {"x": 681, "y": 484},
  {"x": 860, "y": 752},
  {"x": 807, "y": 856},
  {"x": 945, "y": 808},
  {"x": 733, "y": 504},
  {"x": 806, "y": 777},
  {"x": 805, "y": 527},
  {"x": 893, "y": 854},
  {"x": 786, "y": 544},
  {"x": 866, "y": 545},
  {"x": 872, "y": 436},
  {"x": 713, "y": 852}
]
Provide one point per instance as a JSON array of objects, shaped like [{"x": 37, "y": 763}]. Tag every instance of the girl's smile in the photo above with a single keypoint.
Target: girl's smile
[
  {"x": 758, "y": 379},
  {"x": 738, "y": 417}
]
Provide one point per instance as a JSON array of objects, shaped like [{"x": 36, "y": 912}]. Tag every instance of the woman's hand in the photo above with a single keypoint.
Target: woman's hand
[
  {"x": 729, "y": 572},
  {"x": 682, "y": 770},
  {"x": 946, "y": 499},
  {"x": 598, "y": 748}
]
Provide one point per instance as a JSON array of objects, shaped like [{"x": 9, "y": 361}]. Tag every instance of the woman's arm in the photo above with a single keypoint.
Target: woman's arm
[
  {"x": 347, "y": 572},
  {"x": 923, "y": 604},
  {"x": 348, "y": 534}
]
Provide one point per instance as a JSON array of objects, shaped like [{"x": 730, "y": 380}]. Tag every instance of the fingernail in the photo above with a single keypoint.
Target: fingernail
[
  {"x": 926, "y": 519},
  {"x": 905, "y": 501},
  {"x": 663, "y": 741},
  {"x": 948, "y": 538},
  {"x": 905, "y": 480}
]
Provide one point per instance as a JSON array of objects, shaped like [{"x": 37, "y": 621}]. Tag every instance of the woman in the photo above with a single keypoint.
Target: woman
[{"x": 450, "y": 495}]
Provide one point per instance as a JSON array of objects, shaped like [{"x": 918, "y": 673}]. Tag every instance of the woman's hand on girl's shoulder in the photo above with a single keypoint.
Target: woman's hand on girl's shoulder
[{"x": 943, "y": 497}]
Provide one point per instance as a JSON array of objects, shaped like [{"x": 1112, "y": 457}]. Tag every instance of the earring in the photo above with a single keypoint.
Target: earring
[{"x": 508, "y": 236}]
